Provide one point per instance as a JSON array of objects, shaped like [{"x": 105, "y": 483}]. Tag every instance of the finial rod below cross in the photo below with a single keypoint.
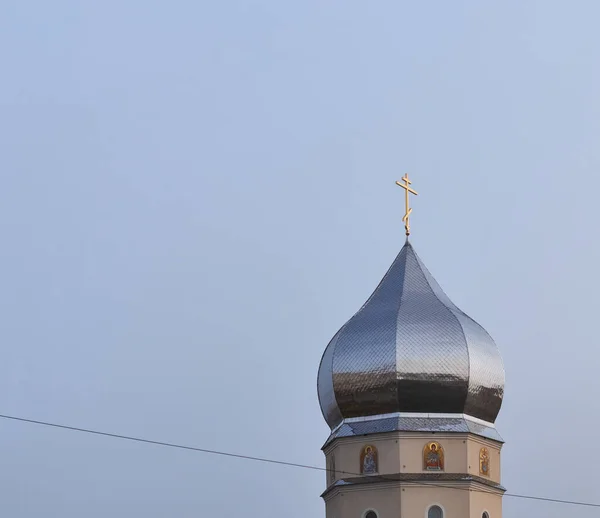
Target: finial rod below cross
[{"x": 408, "y": 191}]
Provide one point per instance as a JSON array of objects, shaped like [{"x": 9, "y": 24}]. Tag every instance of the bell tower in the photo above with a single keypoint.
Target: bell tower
[{"x": 411, "y": 387}]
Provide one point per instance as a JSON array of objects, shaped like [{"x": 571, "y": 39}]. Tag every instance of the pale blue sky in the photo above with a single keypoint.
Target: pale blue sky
[{"x": 196, "y": 195}]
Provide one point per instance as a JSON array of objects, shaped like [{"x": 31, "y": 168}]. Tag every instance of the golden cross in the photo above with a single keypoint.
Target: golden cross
[{"x": 408, "y": 190}]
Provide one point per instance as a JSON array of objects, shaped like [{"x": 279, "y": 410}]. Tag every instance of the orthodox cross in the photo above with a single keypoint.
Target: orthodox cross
[{"x": 408, "y": 191}]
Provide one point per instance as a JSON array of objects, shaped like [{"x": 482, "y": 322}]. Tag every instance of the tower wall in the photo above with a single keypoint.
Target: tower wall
[
  {"x": 402, "y": 486},
  {"x": 405, "y": 500},
  {"x": 402, "y": 452}
]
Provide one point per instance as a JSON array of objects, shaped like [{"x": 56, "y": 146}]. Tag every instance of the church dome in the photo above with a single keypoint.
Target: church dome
[{"x": 409, "y": 351}]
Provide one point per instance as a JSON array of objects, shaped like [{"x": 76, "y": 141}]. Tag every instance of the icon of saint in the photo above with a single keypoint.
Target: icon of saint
[
  {"x": 484, "y": 462},
  {"x": 433, "y": 458},
  {"x": 369, "y": 462},
  {"x": 332, "y": 470}
]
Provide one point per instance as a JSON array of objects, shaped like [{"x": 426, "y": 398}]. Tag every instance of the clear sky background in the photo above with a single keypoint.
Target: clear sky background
[{"x": 196, "y": 195}]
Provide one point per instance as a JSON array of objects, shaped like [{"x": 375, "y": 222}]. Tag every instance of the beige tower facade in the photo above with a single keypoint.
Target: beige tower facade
[
  {"x": 411, "y": 387},
  {"x": 395, "y": 475}
]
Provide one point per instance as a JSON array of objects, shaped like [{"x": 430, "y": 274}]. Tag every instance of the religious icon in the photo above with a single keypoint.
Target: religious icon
[
  {"x": 368, "y": 460},
  {"x": 433, "y": 457},
  {"x": 332, "y": 469},
  {"x": 484, "y": 462}
]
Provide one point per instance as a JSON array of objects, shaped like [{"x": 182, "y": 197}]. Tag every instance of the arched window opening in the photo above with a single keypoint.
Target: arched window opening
[
  {"x": 371, "y": 514},
  {"x": 435, "y": 512},
  {"x": 485, "y": 515}
]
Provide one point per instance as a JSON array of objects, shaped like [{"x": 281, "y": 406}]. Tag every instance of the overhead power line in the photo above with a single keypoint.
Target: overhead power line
[{"x": 263, "y": 459}]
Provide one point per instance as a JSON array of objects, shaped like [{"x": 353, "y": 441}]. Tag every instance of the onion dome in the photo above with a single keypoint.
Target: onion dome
[{"x": 411, "y": 360}]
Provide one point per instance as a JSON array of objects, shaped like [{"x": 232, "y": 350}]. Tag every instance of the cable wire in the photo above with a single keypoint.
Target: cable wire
[{"x": 269, "y": 461}]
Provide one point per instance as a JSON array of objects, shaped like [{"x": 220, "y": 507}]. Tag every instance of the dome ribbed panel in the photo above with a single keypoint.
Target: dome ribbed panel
[
  {"x": 432, "y": 356},
  {"x": 364, "y": 362},
  {"x": 329, "y": 407},
  {"x": 486, "y": 372}
]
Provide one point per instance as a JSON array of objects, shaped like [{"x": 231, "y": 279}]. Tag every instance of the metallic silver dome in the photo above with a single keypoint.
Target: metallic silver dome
[{"x": 409, "y": 349}]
